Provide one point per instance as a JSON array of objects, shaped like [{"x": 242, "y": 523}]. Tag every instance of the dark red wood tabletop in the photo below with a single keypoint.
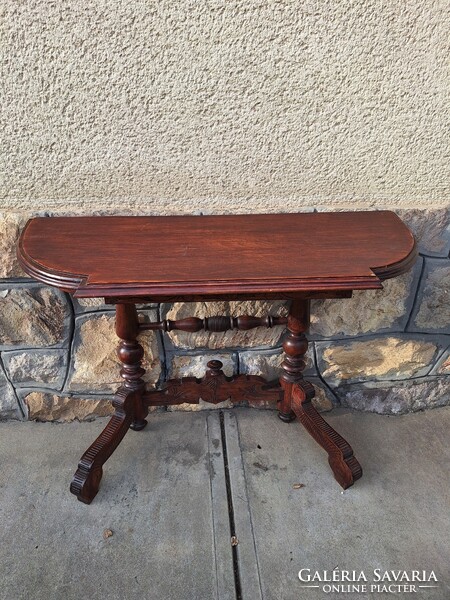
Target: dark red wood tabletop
[{"x": 270, "y": 254}]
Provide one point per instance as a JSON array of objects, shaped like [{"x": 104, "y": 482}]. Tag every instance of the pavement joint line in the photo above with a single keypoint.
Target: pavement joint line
[
  {"x": 237, "y": 579},
  {"x": 251, "y": 584},
  {"x": 212, "y": 511}
]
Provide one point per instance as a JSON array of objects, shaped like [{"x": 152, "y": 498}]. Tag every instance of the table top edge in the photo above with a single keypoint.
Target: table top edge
[{"x": 78, "y": 283}]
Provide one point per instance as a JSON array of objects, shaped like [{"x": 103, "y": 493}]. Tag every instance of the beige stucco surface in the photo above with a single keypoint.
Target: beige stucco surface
[{"x": 215, "y": 106}]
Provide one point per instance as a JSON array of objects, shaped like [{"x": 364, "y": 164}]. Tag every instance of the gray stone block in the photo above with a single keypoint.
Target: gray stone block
[
  {"x": 431, "y": 228},
  {"x": 9, "y": 407},
  {"x": 268, "y": 362},
  {"x": 432, "y": 310},
  {"x": 367, "y": 311},
  {"x": 33, "y": 316},
  {"x": 84, "y": 305},
  {"x": 30, "y": 368},
  {"x": 394, "y": 398}
]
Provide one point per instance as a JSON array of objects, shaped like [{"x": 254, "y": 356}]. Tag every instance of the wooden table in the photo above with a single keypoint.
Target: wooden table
[{"x": 129, "y": 260}]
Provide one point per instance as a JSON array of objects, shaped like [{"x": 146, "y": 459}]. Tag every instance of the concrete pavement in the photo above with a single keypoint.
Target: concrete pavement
[{"x": 174, "y": 494}]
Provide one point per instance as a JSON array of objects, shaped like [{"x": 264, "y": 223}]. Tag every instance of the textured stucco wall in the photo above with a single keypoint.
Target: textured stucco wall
[{"x": 224, "y": 105}]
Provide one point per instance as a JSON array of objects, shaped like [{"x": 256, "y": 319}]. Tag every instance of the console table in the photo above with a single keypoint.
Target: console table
[{"x": 131, "y": 260}]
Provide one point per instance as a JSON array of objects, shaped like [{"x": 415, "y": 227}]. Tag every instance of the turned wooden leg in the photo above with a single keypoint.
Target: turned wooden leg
[
  {"x": 130, "y": 353},
  {"x": 130, "y": 411},
  {"x": 295, "y": 345},
  {"x": 345, "y": 467},
  {"x": 298, "y": 393}
]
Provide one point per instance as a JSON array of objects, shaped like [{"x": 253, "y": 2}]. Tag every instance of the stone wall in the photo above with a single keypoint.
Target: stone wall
[{"x": 386, "y": 351}]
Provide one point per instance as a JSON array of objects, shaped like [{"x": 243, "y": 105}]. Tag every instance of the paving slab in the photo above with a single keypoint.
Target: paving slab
[
  {"x": 396, "y": 517},
  {"x": 162, "y": 495},
  {"x": 173, "y": 499}
]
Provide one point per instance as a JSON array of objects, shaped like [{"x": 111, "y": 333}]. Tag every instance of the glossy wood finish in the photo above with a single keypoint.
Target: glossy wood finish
[
  {"x": 295, "y": 346},
  {"x": 130, "y": 411},
  {"x": 345, "y": 467},
  {"x": 298, "y": 393},
  {"x": 215, "y": 387},
  {"x": 210, "y": 256},
  {"x": 215, "y": 324},
  {"x": 140, "y": 259},
  {"x": 131, "y": 353}
]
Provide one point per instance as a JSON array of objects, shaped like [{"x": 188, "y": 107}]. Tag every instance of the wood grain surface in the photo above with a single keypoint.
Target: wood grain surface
[{"x": 273, "y": 255}]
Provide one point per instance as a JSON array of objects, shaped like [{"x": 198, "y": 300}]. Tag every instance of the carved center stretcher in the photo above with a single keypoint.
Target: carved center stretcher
[{"x": 129, "y": 260}]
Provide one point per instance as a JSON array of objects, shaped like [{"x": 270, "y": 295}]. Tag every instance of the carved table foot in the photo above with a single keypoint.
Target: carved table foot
[
  {"x": 345, "y": 467},
  {"x": 286, "y": 417},
  {"x": 138, "y": 425},
  {"x": 87, "y": 478}
]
